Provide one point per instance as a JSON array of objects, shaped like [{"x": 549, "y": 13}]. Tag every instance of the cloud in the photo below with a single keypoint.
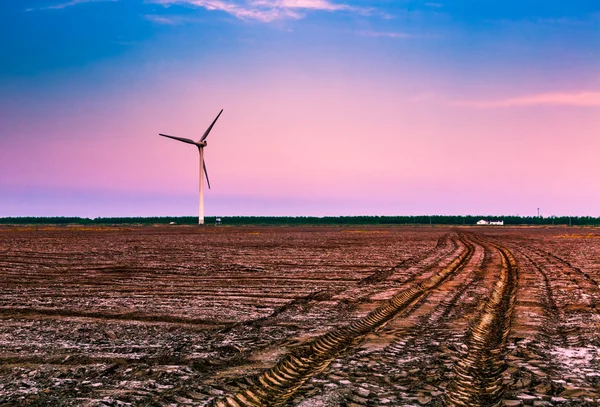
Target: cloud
[
  {"x": 302, "y": 4},
  {"x": 582, "y": 99},
  {"x": 170, "y": 19},
  {"x": 68, "y": 4},
  {"x": 560, "y": 21},
  {"x": 266, "y": 10},
  {"x": 386, "y": 34},
  {"x": 160, "y": 19}
]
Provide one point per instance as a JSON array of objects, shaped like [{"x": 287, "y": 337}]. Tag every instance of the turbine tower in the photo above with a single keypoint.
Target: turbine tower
[{"x": 200, "y": 144}]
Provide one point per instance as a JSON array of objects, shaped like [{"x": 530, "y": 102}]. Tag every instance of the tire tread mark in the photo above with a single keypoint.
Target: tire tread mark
[
  {"x": 381, "y": 275},
  {"x": 552, "y": 310},
  {"x": 278, "y": 384},
  {"x": 577, "y": 270},
  {"x": 479, "y": 375}
]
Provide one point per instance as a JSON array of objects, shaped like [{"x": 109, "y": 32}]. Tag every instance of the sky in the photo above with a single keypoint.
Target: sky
[{"x": 331, "y": 107}]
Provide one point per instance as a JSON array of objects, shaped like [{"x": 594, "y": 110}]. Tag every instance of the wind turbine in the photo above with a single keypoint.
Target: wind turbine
[{"x": 200, "y": 144}]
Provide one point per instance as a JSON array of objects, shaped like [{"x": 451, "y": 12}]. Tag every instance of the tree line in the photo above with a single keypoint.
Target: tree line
[{"x": 307, "y": 220}]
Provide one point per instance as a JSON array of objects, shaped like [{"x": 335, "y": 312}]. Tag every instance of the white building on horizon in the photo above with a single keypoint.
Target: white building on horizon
[{"x": 491, "y": 222}]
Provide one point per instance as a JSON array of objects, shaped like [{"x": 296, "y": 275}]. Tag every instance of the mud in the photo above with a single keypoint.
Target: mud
[{"x": 299, "y": 316}]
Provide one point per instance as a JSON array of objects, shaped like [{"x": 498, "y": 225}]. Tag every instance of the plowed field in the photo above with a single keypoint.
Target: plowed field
[{"x": 277, "y": 316}]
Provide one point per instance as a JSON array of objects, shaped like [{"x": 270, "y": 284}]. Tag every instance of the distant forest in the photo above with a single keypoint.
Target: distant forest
[{"x": 307, "y": 220}]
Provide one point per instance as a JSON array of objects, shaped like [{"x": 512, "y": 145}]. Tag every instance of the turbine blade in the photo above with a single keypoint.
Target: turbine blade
[
  {"x": 211, "y": 126},
  {"x": 206, "y": 173},
  {"x": 185, "y": 140}
]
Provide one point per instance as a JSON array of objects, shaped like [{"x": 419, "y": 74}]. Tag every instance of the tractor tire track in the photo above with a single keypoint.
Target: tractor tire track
[
  {"x": 558, "y": 360},
  {"x": 369, "y": 377},
  {"x": 537, "y": 371},
  {"x": 381, "y": 275},
  {"x": 479, "y": 375},
  {"x": 277, "y": 385},
  {"x": 333, "y": 303},
  {"x": 577, "y": 270},
  {"x": 444, "y": 245},
  {"x": 553, "y": 314},
  {"x": 582, "y": 296}
]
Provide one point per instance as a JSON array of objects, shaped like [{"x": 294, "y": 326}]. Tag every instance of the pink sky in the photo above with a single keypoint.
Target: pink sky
[{"x": 385, "y": 149}]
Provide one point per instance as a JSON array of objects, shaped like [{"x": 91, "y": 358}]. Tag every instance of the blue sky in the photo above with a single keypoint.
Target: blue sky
[
  {"x": 46, "y": 36},
  {"x": 81, "y": 81}
]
